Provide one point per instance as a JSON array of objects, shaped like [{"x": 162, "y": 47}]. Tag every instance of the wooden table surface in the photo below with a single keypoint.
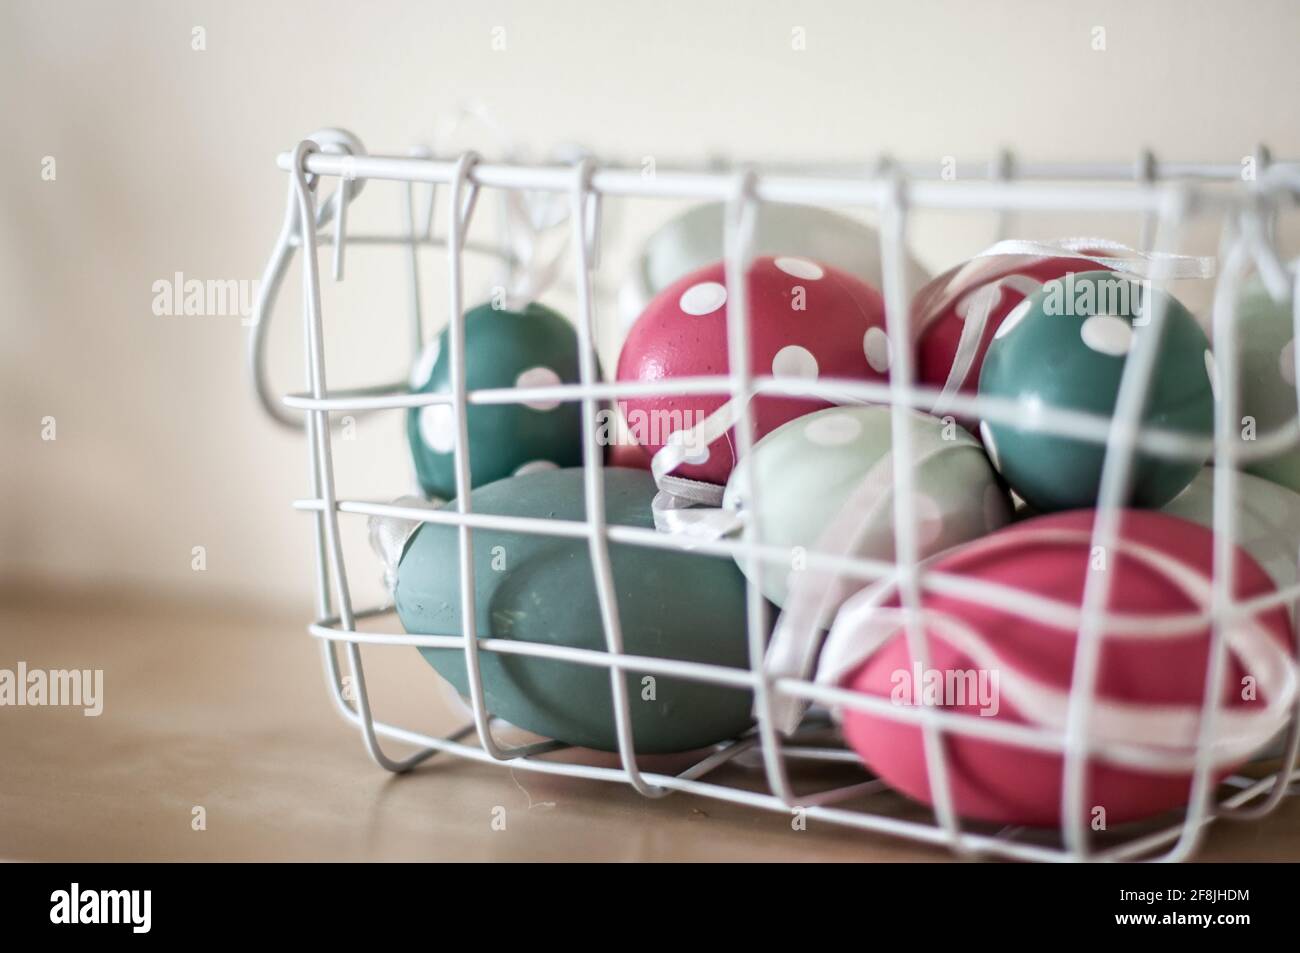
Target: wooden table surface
[{"x": 226, "y": 710}]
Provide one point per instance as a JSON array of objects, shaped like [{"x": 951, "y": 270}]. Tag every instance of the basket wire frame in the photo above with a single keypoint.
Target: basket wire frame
[{"x": 891, "y": 190}]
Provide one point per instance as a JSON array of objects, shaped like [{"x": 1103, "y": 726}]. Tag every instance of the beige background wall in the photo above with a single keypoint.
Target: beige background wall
[{"x": 164, "y": 163}]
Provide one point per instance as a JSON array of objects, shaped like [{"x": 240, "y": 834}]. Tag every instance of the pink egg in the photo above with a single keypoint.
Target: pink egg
[
  {"x": 1049, "y": 556},
  {"x": 807, "y": 321},
  {"x": 627, "y": 455},
  {"x": 940, "y": 318}
]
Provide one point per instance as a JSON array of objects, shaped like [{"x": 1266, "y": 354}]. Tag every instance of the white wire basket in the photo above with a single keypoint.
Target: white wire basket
[{"x": 1167, "y": 196}]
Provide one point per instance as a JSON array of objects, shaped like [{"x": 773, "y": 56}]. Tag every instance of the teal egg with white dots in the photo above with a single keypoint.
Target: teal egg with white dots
[
  {"x": 833, "y": 470},
  {"x": 1266, "y": 351},
  {"x": 541, "y": 589},
  {"x": 533, "y": 347},
  {"x": 1066, "y": 346}
]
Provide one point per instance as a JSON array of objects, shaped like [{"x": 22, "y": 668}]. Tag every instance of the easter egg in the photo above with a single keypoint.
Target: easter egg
[
  {"x": 1266, "y": 349},
  {"x": 627, "y": 455},
  {"x": 1268, "y": 527},
  {"x": 534, "y": 347},
  {"x": 620, "y": 449},
  {"x": 540, "y": 589},
  {"x": 941, "y": 311},
  {"x": 694, "y": 239},
  {"x": 806, "y": 320},
  {"x": 1065, "y": 346},
  {"x": 1268, "y": 520},
  {"x": 986, "y": 662},
  {"x": 834, "y": 467}
]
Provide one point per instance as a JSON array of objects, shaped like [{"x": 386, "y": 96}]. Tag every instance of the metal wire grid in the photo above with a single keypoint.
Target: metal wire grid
[{"x": 1165, "y": 207}]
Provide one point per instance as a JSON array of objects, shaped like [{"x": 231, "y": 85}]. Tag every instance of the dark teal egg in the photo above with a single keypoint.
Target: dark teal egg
[
  {"x": 1066, "y": 346},
  {"x": 530, "y": 348},
  {"x": 533, "y": 588}
]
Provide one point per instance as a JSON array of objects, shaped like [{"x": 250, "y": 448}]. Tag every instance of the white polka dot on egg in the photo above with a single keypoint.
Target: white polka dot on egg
[
  {"x": 875, "y": 344},
  {"x": 1212, "y": 372},
  {"x": 800, "y": 268},
  {"x": 1107, "y": 334},
  {"x": 423, "y": 369},
  {"x": 793, "y": 361},
  {"x": 704, "y": 298},
  {"x": 1017, "y": 315},
  {"x": 438, "y": 427},
  {"x": 832, "y": 430},
  {"x": 1286, "y": 363},
  {"x": 539, "y": 377},
  {"x": 929, "y": 520}
]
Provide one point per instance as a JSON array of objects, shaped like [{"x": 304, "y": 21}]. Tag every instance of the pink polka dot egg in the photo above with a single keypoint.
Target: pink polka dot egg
[
  {"x": 807, "y": 321},
  {"x": 958, "y": 314}
]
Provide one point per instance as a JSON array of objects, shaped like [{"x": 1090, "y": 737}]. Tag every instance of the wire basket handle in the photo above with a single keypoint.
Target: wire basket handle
[{"x": 337, "y": 141}]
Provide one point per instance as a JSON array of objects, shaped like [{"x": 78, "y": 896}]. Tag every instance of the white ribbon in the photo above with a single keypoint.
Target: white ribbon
[
  {"x": 388, "y": 535},
  {"x": 539, "y": 253},
  {"x": 532, "y": 219},
  {"x": 979, "y": 305},
  {"x": 1149, "y": 736},
  {"x": 1160, "y": 266},
  {"x": 675, "y": 505},
  {"x": 977, "y": 285},
  {"x": 672, "y": 505}
]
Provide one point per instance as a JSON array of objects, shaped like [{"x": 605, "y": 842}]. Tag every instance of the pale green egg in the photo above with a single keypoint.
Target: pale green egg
[
  {"x": 1266, "y": 347},
  {"x": 1268, "y": 528},
  {"x": 1267, "y": 514},
  {"x": 834, "y": 470}
]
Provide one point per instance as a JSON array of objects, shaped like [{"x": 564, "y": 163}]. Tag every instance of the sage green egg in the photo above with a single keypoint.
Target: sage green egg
[
  {"x": 535, "y": 347},
  {"x": 1268, "y": 520},
  {"x": 1066, "y": 346},
  {"x": 807, "y": 470},
  {"x": 1266, "y": 350},
  {"x": 1268, "y": 528},
  {"x": 531, "y": 588}
]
